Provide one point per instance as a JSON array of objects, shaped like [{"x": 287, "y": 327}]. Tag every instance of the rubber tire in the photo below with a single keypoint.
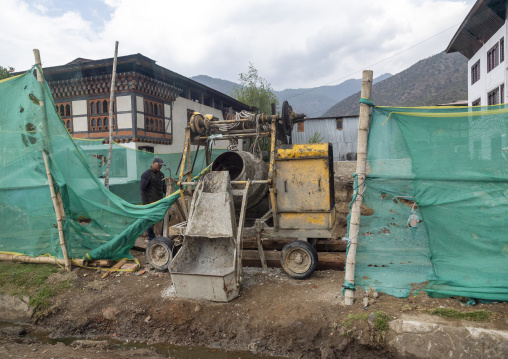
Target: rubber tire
[
  {"x": 309, "y": 250},
  {"x": 161, "y": 244}
]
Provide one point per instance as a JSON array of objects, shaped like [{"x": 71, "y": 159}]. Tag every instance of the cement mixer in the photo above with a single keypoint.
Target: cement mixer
[{"x": 290, "y": 196}]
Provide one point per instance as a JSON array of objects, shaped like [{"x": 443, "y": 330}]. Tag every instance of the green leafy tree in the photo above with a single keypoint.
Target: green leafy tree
[
  {"x": 5, "y": 72},
  {"x": 255, "y": 91}
]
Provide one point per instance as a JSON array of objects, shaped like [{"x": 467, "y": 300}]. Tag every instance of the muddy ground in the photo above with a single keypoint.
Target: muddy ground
[{"x": 274, "y": 315}]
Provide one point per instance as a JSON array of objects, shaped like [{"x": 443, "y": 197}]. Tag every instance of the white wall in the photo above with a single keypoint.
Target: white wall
[
  {"x": 491, "y": 80},
  {"x": 123, "y": 103},
  {"x": 79, "y": 107},
  {"x": 180, "y": 107}
]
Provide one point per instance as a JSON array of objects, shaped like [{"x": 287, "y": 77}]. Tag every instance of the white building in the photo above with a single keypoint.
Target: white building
[{"x": 482, "y": 39}]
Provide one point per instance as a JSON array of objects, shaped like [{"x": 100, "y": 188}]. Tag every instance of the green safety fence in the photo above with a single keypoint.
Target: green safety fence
[
  {"x": 447, "y": 167},
  {"x": 128, "y": 164},
  {"x": 98, "y": 224}
]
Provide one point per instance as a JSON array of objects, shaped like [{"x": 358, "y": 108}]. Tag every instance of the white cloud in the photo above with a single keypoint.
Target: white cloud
[{"x": 292, "y": 43}]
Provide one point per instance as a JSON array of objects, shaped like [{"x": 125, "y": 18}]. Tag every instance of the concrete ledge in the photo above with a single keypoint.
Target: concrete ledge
[
  {"x": 15, "y": 308},
  {"x": 430, "y": 337}
]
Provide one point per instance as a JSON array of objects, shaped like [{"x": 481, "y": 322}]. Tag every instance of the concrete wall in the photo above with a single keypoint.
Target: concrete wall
[{"x": 488, "y": 81}]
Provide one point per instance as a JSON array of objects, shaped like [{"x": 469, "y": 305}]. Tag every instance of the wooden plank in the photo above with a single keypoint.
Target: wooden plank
[
  {"x": 321, "y": 245},
  {"x": 331, "y": 260}
]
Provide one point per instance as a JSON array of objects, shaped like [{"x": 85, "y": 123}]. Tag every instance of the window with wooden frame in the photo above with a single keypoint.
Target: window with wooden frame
[
  {"x": 154, "y": 124},
  {"x": 100, "y": 106},
  {"x": 146, "y": 149},
  {"x": 493, "y": 97},
  {"x": 154, "y": 116},
  {"x": 501, "y": 93},
  {"x": 501, "y": 50},
  {"x": 153, "y": 108},
  {"x": 493, "y": 57},
  {"x": 64, "y": 110},
  {"x": 338, "y": 124},
  {"x": 477, "y": 102},
  {"x": 475, "y": 72},
  {"x": 100, "y": 123},
  {"x": 300, "y": 127}
]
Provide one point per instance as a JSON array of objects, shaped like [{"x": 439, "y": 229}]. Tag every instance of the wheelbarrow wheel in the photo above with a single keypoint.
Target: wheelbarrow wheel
[
  {"x": 159, "y": 252},
  {"x": 299, "y": 259}
]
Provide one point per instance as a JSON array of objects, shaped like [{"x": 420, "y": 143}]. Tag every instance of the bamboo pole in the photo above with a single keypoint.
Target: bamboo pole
[
  {"x": 42, "y": 260},
  {"x": 57, "y": 213},
  {"x": 361, "y": 164},
  {"x": 42, "y": 102},
  {"x": 57, "y": 199},
  {"x": 110, "y": 121}
]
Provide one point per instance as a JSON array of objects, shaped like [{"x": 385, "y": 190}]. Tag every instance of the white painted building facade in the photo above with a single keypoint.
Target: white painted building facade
[
  {"x": 481, "y": 38},
  {"x": 486, "y": 82}
]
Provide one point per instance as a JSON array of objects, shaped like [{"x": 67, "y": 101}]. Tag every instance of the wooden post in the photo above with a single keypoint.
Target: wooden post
[
  {"x": 47, "y": 147},
  {"x": 110, "y": 121},
  {"x": 271, "y": 173},
  {"x": 57, "y": 212},
  {"x": 261, "y": 252},
  {"x": 361, "y": 165},
  {"x": 42, "y": 102}
]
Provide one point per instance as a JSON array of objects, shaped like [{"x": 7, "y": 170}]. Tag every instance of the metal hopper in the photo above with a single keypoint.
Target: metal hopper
[{"x": 207, "y": 266}]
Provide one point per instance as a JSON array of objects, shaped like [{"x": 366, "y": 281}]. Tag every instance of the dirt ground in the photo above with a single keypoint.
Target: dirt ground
[{"x": 274, "y": 315}]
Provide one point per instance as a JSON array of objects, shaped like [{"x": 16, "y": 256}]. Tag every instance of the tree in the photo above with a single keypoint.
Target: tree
[
  {"x": 255, "y": 91},
  {"x": 5, "y": 72}
]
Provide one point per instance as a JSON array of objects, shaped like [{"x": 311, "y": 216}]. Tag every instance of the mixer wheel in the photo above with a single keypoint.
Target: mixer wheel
[
  {"x": 159, "y": 252},
  {"x": 299, "y": 259}
]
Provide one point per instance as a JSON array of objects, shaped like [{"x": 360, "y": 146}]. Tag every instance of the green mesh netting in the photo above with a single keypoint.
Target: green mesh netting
[
  {"x": 449, "y": 166},
  {"x": 127, "y": 165},
  {"x": 98, "y": 224}
]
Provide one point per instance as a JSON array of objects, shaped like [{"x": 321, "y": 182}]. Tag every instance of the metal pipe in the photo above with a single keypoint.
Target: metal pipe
[
  {"x": 228, "y": 137},
  {"x": 232, "y": 182}
]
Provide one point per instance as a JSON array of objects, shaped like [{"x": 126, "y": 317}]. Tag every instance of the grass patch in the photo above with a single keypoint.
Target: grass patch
[
  {"x": 382, "y": 322},
  {"x": 352, "y": 317},
  {"x": 473, "y": 316},
  {"x": 381, "y": 325},
  {"x": 28, "y": 279}
]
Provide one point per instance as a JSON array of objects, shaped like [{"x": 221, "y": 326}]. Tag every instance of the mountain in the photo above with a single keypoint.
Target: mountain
[
  {"x": 439, "y": 79},
  {"x": 314, "y": 101},
  {"x": 310, "y": 101}
]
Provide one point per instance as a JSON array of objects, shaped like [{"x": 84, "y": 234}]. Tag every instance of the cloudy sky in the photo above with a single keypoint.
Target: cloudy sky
[{"x": 292, "y": 43}]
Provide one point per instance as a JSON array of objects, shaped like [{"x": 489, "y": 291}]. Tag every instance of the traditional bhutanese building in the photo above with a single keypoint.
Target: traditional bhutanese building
[{"x": 151, "y": 105}]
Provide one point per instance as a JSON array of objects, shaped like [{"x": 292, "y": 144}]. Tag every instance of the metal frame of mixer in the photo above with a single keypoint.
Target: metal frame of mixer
[{"x": 204, "y": 128}]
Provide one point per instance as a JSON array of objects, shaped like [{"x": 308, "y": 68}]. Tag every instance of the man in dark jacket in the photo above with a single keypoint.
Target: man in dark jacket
[{"x": 153, "y": 187}]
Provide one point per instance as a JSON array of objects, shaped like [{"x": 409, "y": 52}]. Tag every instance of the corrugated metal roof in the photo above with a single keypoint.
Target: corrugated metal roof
[{"x": 484, "y": 19}]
